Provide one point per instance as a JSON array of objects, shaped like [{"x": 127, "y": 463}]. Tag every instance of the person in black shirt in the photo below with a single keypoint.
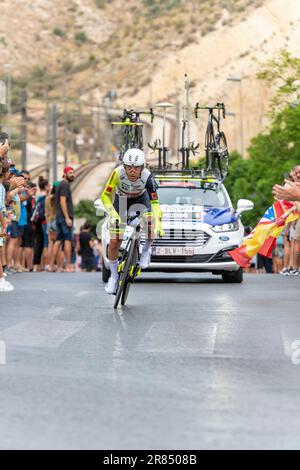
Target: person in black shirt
[
  {"x": 88, "y": 260},
  {"x": 64, "y": 216}
]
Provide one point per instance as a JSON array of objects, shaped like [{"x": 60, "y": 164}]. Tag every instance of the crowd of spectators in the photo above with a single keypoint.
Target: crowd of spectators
[
  {"x": 37, "y": 227},
  {"x": 37, "y": 224},
  {"x": 286, "y": 254}
]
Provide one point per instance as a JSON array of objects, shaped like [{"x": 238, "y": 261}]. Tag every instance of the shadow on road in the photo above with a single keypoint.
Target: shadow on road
[{"x": 178, "y": 280}]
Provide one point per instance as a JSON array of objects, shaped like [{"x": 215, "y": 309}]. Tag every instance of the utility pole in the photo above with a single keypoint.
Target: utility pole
[
  {"x": 98, "y": 144},
  {"x": 65, "y": 97},
  {"x": 24, "y": 129},
  {"x": 187, "y": 108},
  {"x": 54, "y": 140},
  {"x": 79, "y": 139},
  {"x": 91, "y": 133},
  {"x": 106, "y": 155},
  {"x": 235, "y": 128},
  {"x": 48, "y": 138}
]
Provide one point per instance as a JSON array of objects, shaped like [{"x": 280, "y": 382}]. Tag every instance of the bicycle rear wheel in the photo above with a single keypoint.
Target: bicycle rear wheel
[
  {"x": 223, "y": 155},
  {"x": 130, "y": 277},
  {"x": 126, "y": 261}
]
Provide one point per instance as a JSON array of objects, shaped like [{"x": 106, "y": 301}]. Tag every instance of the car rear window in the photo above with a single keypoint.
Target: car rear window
[{"x": 202, "y": 194}]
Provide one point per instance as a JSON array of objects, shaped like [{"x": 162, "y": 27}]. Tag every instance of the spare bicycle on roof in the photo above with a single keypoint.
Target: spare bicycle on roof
[
  {"x": 216, "y": 150},
  {"x": 132, "y": 133}
]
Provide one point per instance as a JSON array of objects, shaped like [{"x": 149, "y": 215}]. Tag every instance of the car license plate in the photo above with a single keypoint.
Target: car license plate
[{"x": 172, "y": 251}]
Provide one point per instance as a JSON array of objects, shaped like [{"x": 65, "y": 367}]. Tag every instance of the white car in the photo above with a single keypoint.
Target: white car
[{"x": 200, "y": 226}]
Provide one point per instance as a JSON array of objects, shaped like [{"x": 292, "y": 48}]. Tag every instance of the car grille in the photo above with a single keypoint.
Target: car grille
[
  {"x": 221, "y": 256},
  {"x": 195, "y": 238}
]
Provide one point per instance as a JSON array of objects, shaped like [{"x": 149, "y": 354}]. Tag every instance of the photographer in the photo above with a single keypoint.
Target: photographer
[{"x": 4, "y": 285}]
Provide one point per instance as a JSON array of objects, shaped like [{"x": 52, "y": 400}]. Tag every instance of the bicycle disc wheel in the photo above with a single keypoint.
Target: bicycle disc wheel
[
  {"x": 129, "y": 279},
  {"x": 223, "y": 155},
  {"x": 138, "y": 138},
  {"x": 123, "y": 276}
]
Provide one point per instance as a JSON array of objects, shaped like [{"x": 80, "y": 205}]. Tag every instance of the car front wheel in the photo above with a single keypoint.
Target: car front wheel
[{"x": 233, "y": 276}]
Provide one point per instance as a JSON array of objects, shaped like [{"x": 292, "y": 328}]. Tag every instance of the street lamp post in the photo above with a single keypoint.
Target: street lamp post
[{"x": 239, "y": 80}]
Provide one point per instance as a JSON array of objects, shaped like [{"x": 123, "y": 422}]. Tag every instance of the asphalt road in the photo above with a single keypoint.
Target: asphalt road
[{"x": 190, "y": 363}]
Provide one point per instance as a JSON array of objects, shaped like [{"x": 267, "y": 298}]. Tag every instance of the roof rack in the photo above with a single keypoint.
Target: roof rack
[{"x": 191, "y": 172}]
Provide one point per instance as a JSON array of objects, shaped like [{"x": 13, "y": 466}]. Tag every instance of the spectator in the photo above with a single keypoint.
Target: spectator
[
  {"x": 264, "y": 264},
  {"x": 278, "y": 254},
  {"x": 51, "y": 224},
  {"x": 88, "y": 260},
  {"x": 64, "y": 218},
  {"x": 5, "y": 286},
  {"x": 29, "y": 234},
  {"x": 40, "y": 225}
]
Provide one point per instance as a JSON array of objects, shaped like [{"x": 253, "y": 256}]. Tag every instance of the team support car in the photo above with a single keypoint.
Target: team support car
[{"x": 200, "y": 227}]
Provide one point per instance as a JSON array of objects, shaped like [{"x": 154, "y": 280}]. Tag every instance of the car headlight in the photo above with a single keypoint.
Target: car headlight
[{"x": 233, "y": 226}]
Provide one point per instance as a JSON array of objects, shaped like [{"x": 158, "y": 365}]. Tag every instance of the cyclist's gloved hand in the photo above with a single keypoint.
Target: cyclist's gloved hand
[
  {"x": 158, "y": 230},
  {"x": 114, "y": 218}
]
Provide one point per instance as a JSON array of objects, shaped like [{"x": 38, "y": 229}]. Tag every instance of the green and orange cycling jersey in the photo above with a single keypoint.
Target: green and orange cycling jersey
[{"x": 119, "y": 184}]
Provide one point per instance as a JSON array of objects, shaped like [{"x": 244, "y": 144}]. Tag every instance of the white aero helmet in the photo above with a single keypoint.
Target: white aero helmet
[{"x": 134, "y": 157}]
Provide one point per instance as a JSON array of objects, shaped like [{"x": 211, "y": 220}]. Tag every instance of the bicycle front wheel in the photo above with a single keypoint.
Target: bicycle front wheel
[
  {"x": 126, "y": 261},
  {"x": 129, "y": 279}
]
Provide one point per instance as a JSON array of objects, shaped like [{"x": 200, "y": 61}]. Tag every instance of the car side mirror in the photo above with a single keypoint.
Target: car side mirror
[
  {"x": 100, "y": 209},
  {"x": 244, "y": 205}
]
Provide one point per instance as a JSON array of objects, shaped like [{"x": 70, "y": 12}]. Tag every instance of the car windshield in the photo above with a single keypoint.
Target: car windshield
[{"x": 206, "y": 194}]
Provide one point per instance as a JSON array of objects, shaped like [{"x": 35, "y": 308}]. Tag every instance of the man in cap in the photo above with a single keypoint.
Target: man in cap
[{"x": 64, "y": 216}]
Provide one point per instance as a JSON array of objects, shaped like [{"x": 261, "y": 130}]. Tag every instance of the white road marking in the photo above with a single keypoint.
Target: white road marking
[
  {"x": 290, "y": 334},
  {"x": 81, "y": 293},
  {"x": 41, "y": 333},
  {"x": 186, "y": 337},
  {"x": 54, "y": 312}
]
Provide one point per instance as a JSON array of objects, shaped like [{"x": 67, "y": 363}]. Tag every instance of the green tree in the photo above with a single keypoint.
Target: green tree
[
  {"x": 85, "y": 209},
  {"x": 283, "y": 72}
]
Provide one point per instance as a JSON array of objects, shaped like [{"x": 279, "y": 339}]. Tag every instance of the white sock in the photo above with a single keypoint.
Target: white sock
[
  {"x": 114, "y": 268},
  {"x": 147, "y": 246}
]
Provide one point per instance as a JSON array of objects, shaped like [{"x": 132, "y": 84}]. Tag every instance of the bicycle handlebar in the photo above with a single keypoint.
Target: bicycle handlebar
[
  {"x": 132, "y": 114},
  {"x": 219, "y": 106}
]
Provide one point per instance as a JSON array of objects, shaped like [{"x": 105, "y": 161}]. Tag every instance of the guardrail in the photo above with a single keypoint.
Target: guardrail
[
  {"x": 37, "y": 170},
  {"x": 82, "y": 172}
]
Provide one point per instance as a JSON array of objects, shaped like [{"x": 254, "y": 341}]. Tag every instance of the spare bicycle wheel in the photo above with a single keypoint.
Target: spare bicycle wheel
[{"x": 223, "y": 155}]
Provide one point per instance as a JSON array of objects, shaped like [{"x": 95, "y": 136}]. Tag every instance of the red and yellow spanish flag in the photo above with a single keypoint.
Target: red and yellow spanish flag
[{"x": 263, "y": 237}]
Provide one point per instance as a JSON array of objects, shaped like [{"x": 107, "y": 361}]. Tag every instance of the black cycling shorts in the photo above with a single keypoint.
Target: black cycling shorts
[{"x": 123, "y": 204}]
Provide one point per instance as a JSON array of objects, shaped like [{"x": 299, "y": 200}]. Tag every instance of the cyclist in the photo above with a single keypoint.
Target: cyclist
[{"x": 130, "y": 186}]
